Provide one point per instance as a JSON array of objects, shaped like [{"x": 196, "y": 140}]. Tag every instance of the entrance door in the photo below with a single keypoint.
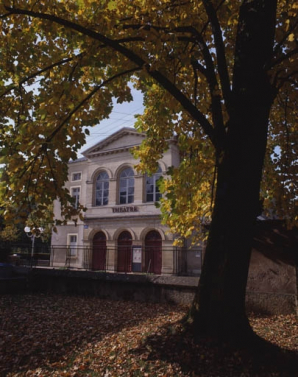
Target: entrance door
[
  {"x": 99, "y": 251},
  {"x": 124, "y": 252},
  {"x": 153, "y": 252}
]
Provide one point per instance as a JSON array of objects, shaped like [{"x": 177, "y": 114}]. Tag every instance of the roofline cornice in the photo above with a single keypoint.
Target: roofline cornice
[{"x": 96, "y": 149}]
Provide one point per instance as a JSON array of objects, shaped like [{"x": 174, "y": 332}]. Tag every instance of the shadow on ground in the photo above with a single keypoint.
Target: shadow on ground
[{"x": 213, "y": 359}]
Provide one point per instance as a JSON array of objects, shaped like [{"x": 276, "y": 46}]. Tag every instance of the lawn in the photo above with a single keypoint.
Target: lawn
[{"x": 50, "y": 335}]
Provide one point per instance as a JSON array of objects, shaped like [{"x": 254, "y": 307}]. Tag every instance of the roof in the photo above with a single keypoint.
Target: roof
[
  {"x": 110, "y": 145},
  {"x": 81, "y": 159}
]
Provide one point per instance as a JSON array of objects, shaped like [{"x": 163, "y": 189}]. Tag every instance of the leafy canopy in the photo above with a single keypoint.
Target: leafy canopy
[{"x": 62, "y": 62}]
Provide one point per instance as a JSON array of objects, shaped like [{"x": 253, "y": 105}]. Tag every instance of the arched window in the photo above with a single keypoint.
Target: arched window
[
  {"x": 126, "y": 186},
  {"x": 102, "y": 189},
  {"x": 152, "y": 190}
]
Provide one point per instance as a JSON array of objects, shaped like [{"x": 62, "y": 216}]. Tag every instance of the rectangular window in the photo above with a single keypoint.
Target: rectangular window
[
  {"x": 126, "y": 186},
  {"x": 152, "y": 190},
  {"x": 72, "y": 244},
  {"x": 76, "y": 176},
  {"x": 102, "y": 190},
  {"x": 75, "y": 193}
]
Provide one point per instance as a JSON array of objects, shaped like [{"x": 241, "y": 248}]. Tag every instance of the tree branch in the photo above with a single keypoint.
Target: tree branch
[
  {"x": 279, "y": 45},
  {"x": 282, "y": 58},
  {"x": 133, "y": 57},
  {"x": 96, "y": 89},
  {"x": 43, "y": 147},
  {"x": 210, "y": 75},
  {"x": 51, "y": 169},
  {"x": 288, "y": 79},
  {"x": 35, "y": 74},
  {"x": 195, "y": 92},
  {"x": 220, "y": 52},
  {"x": 5, "y": 15},
  {"x": 209, "y": 72}
]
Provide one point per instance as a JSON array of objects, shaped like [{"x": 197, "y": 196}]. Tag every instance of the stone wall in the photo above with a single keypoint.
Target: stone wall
[
  {"x": 149, "y": 288},
  {"x": 271, "y": 303},
  {"x": 271, "y": 285}
]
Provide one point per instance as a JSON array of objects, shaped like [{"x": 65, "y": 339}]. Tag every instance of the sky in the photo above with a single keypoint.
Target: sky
[{"x": 121, "y": 116}]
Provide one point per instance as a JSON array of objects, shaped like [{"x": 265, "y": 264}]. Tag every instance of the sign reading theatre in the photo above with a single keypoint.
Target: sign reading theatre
[{"x": 126, "y": 209}]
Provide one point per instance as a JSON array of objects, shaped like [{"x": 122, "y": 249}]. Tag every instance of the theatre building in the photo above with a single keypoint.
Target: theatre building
[{"x": 122, "y": 230}]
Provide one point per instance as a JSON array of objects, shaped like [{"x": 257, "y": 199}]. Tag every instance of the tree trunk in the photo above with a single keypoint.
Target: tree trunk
[{"x": 219, "y": 306}]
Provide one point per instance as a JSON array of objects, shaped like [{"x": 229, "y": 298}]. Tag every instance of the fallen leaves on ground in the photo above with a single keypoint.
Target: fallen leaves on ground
[{"x": 70, "y": 336}]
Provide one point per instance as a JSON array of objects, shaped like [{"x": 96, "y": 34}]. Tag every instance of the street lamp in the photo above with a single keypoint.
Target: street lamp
[{"x": 29, "y": 232}]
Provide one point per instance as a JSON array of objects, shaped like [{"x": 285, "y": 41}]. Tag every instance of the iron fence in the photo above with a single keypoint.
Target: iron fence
[
  {"x": 22, "y": 254},
  {"x": 127, "y": 259},
  {"x": 176, "y": 260}
]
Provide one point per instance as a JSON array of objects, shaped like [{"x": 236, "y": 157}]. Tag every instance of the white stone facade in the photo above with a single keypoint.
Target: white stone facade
[{"x": 122, "y": 229}]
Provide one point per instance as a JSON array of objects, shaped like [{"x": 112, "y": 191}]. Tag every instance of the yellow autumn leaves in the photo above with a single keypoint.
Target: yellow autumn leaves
[{"x": 59, "y": 77}]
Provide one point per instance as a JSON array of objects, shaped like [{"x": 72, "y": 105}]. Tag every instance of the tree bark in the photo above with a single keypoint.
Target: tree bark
[{"x": 219, "y": 306}]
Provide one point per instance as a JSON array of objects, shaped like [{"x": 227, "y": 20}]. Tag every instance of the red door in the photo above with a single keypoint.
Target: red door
[
  {"x": 99, "y": 251},
  {"x": 124, "y": 252},
  {"x": 153, "y": 252}
]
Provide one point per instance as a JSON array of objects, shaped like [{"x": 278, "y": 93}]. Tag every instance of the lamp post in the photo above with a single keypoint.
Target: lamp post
[{"x": 33, "y": 235}]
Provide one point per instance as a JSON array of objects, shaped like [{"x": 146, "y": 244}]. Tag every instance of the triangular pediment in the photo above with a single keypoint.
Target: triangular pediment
[{"x": 121, "y": 140}]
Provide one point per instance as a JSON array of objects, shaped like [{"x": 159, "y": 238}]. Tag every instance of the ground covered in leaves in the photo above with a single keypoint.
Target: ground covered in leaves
[{"x": 47, "y": 335}]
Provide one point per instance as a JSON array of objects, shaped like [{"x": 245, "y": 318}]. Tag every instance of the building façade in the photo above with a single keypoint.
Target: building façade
[{"x": 122, "y": 230}]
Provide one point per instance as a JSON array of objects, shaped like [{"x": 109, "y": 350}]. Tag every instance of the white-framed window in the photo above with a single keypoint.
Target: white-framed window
[
  {"x": 72, "y": 244},
  {"x": 126, "y": 186},
  {"x": 102, "y": 189},
  {"x": 75, "y": 193},
  {"x": 76, "y": 176},
  {"x": 152, "y": 190}
]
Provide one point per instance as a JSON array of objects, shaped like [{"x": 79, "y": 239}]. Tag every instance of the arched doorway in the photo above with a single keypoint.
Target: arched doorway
[
  {"x": 99, "y": 251},
  {"x": 124, "y": 252},
  {"x": 153, "y": 252}
]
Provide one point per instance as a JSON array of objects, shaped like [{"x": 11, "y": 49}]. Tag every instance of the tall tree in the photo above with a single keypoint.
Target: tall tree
[{"x": 219, "y": 75}]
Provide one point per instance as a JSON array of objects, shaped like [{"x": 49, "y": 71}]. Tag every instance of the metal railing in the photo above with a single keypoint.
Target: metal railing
[
  {"x": 127, "y": 259},
  {"x": 177, "y": 260},
  {"x": 20, "y": 254}
]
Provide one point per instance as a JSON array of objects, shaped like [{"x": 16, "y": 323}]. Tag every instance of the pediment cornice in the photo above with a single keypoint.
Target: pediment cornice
[{"x": 102, "y": 148}]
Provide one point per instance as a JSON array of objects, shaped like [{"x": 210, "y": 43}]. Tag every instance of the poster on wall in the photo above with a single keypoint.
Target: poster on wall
[{"x": 137, "y": 259}]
